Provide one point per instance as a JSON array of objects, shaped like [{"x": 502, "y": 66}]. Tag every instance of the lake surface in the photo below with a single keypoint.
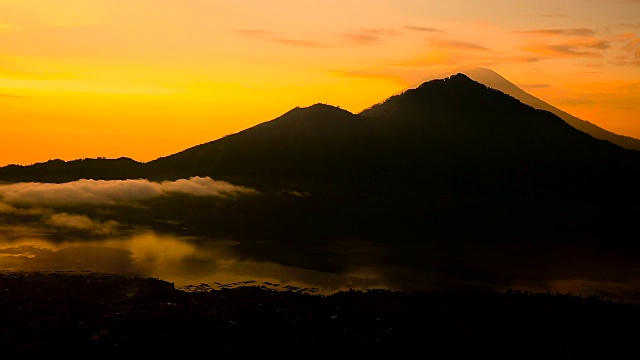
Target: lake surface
[
  {"x": 192, "y": 261},
  {"x": 181, "y": 260}
]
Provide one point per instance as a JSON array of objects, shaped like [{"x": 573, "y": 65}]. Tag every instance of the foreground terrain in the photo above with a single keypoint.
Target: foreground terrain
[{"x": 91, "y": 315}]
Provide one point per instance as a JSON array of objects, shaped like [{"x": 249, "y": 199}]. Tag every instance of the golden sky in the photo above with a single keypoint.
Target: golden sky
[{"x": 148, "y": 78}]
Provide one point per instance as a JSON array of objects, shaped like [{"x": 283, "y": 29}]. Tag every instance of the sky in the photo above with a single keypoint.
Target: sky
[{"x": 149, "y": 78}]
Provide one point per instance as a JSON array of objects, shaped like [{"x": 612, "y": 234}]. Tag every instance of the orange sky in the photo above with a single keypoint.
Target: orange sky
[{"x": 148, "y": 78}]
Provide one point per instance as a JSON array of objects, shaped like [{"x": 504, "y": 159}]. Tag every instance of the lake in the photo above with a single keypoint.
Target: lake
[{"x": 350, "y": 264}]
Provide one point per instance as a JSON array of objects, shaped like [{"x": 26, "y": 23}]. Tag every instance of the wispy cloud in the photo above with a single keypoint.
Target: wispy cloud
[
  {"x": 269, "y": 35},
  {"x": 534, "y": 86},
  {"x": 580, "y": 48},
  {"x": 455, "y": 45},
  {"x": 381, "y": 32},
  {"x": 565, "y": 43},
  {"x": 362, "y": 38},
  {"x": 301, "y": 43},
  {"x": 560, "y": 32},
  {"x": 378, "y": 74},
  {"x": 422, "y": 29},
  {"x": 255, "y": 32},
  {"x": 11, "y": 96},
  {"x": 103, "y": 192},
  {"x": 554, "y": 16},
  {"x": 630, "y": 48},
  {"x": 369, "y": 36}
]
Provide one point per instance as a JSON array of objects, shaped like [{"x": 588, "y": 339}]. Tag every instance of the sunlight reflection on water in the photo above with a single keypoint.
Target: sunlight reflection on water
[
  {"x": 181, "y": 260},
  {"x": 190, "y": 260}
]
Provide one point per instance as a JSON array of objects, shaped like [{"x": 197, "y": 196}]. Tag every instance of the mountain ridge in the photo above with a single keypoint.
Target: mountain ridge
[
  {"x": 494, "y": 80},
  {"x": 442, "y": 127}
]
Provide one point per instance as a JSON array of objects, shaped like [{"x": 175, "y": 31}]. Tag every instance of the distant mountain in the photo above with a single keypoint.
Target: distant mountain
[
  {"x": 494, "y": 80},
  {"x": 56, "y": 171},
  {"x": 452, "y": 158},
  {"x": 446, "y": 136},
  {"x": 301, "y": 144}
]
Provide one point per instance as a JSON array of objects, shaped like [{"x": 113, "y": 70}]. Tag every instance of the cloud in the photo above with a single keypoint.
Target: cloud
[
  {"x": 534, "y": 86},
  {"x": 560, "y": 32},
  {"x": 566, "y": 43},
  {"x": 254, "y": 32},
  {"x": 630, "y": 48},
  {"x": 455, "y": 45},
  {"x": 112, "y": 192},
  {"x": 629, "y": 25},
  {"x": 362, "y": 38},
  {"x": 12, "y": 96},
  {"x": 82, "y": 223},
  {"x": 8, "y": 209},
  {"x": 369, "y": 36},
  {"x": 581, "y": 48},
  {"x": 301, "y": 43},
  {"x": 554, "y": 16},
  {"x": 380, "y": 32},
  {"x": 422, "y": 29},
  {"x": 271, "y": 36}
]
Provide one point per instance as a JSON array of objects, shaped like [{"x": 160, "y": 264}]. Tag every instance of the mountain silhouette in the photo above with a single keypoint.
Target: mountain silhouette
[
  {"x": 301, "y": 144},
  {"x": 451, "y": 158},
  {"x": 58, "y": 171},
  {"x": 494, "y": 80},
  {"x": 448, "y": 135},
  {"x": 453, "y": 179}
]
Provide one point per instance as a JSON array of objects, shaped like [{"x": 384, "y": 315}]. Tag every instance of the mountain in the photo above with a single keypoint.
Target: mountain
[
  {"x": 301, "y": 144},
  {"x": 56, "y": 171},
  {"x": 451, "y": 134},
  {"x": 494, "y": 80},
  {"x": 446, "y": 133},
  {"x": 452, "y": 158}
]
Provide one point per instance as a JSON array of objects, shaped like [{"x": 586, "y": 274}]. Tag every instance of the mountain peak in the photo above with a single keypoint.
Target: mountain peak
[
  {"x": 319, "y": 108},
  {"x": 458, "y": 78},
  {"x": 315, "y": 112}
]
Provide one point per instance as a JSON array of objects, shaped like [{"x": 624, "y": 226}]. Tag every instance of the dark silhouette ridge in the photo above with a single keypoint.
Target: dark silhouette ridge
[
  {"x": 442, "y": 129},
  {"x": 298, "y": 145},
  {"x": 56, "y": 171},
  {"x": 446, "y": 125},
  {"x": 449, "y": 152},
  {"x": 494, "y": 80}
]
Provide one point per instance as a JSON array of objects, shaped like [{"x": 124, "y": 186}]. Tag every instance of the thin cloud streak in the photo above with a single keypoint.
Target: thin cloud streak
[
  {"x": 582, "y": 32},
  {"x": 271, "y": 36},
  {"x": 362, "y": 38},
  {"x": 534, "y": 86},
  {"x": 457, "y": 45},
  {"x": 381, "y": 32},
  {"x": 301, "y": 43},
  {"x": 422, "y": 29},
  {"x": 585, "y": 48},
  {"x": 255, "y": 32}
]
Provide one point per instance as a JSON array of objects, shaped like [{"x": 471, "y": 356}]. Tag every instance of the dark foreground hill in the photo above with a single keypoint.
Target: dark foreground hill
[{"x": 108, "y": 316}]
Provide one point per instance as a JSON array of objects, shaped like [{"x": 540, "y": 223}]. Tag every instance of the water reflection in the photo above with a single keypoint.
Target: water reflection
[
  {"x": 346, "y": 264},
  {"x": 181, "y": 260}
]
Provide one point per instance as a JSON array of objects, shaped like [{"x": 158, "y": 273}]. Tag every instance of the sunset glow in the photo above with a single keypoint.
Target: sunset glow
[{"x": 148, "y": 78}]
